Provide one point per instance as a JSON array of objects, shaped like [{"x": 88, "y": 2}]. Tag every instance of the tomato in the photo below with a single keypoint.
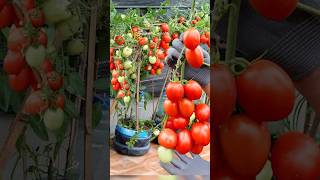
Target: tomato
[
  {"x": 29, "y": 4},
  {"x": 200, "y": 134},
  {"x": 143, "y": 41},
  {"x": 194, "y": 57},
  {"x": 161, "y": 65},
  {"x": 196, "y": 149},
  {"x": 155, "y": 39},
  {"x": 194, "y": 22},
  {"x": 114, "y": 81},
  {"x": 43, "y": 38},
  {"x": 111, "y": 51},
  {"x": 53, "y": 119},
  {"x": 116, "y": 87},
  {"x": 186, "y": 107},
  {"x": 174, "y": 91},
  {"x": 170, "y": 108},
  {"x": 47, "y": 66},
  {"x": 265, "y": 91},
  {"x": 17, "y": 39},
  {"x": 191, "y": 38},
  {"x": 295, "y": 156},
  {"x": 75, "y": 47},
  {"x": 164, "y": 27},
  {"x": 169, "y": 123},
  {"x": 168, "y": 138},
  {"x": 197, "y": 18},
  {"x": 2, "y": 3},
  {"x": 7, "y": 15},
  {"x": 166, "y": 38},
  {"x": 119, "y": 40},
  {"x": 203, "y": 39},
  {"x": 193, "y": 90},
  {"x": 120, "y": 94},
  {"x": 274, "y": 9},
  {"x": 160, "y": 54},
  {"x": 21, "y": 81},
  {"x": 14, "y": 62},
  {"x": 224, "y": 93},
  {"x": 245, "y": 144},
  {"x": 181, "y": 19},
  {"x": 35, "y": 103},
  {"x": 184, "y": 141},
  {"x": 202, "y": 112},
  {"x": 37, "y": 17},
  {"x": 35, "y": 56},
  {"x": 175, "y": 36},
  {"x": 207, "y": 34},
  {"x": 55, "y": 80},
  {"x": 165, "y": 155},
  {"x": 67, "y": 28},
  {"x": 60, "y": 101},
  {"x": 115, "y": 74},
  {"x": 135, "y": 29},
  {"x": 56, "y": 11},
  {"x": 180, "y": 123}
]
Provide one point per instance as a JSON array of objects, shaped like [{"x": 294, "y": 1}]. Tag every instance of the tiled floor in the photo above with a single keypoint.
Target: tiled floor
[{"x": 143, "y": 165}]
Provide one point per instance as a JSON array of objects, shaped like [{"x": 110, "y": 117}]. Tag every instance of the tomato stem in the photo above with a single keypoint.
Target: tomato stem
[{"x": 308, "y": 9}]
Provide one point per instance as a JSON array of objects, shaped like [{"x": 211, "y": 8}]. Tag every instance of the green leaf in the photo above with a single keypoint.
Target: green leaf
[
  {"x": 5, "y": 93},
  {"x": 38, "y": 127},
  {"x": 96, "y": 114},
  {"x": 16, "y": 100},
  {"x": 70, "y": 108},
  {"x": 74, "y": 84},
  {"x": 101, "y": 84}
]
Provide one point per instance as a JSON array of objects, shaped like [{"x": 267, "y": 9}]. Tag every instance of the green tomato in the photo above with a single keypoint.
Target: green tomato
[
  {"x": 167, "y": 177},
  {"x": 53, "y": 119},
  {"x": 75, "y": 47},
  {"x": 127, "y": 64},
  {"x": 157, "y": 29},
  {"x": 165, "y": 155},
  {"x": 120, "y": 79},
  {"x": 130, "y": 35},
  {"x": 126, "y": 99},
  {"x": 69, "y": 27},
  {"x": 123, "y": 16},
  {"x": 145, "y": 47},
  {"x": 35, "y": 56},
  {"x": 201, "y": 14},
  {"x": 56, "y": 11},
  {"x": 152, "y": 59},
  {"x": 126, "y": 52},
  {"x": 112, "y": 41},
  {"x": 133, "y": 76}
]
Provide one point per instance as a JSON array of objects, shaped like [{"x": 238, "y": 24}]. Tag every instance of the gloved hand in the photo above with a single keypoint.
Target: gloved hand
[
  {"x": 190, "y": 72},
  {"x": 186, "y": 166}
]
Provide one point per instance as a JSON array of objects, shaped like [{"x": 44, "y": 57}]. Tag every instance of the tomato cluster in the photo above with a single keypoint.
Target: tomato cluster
[
  {"x": 265, "y": 93},
  {"x": 181, "y": 131}
]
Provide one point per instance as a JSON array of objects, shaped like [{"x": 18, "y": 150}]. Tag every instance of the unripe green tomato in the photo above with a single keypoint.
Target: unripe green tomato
[
  {"x": 123, "y": 16},
  {"x": 133, "y": 76},
  {"x": 145, "y": 47},
  {"x": 126, "y": 52},
  {"x": 130, "y": 35},
  {"x": 127, "y": 64},
  {"x": 126, "y": 99},
  {"x": 152, "y": 59},
  {"x": 165, "y": 155},
  {"x": 120, "y": 79}
]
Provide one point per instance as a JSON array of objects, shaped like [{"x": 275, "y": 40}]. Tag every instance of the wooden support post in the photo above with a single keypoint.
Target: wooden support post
[{"x": 88, "y": 175}]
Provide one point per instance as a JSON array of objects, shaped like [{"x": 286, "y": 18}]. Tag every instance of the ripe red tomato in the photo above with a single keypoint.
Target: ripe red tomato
[
  {"x": 184, "y": 142},
  {"x": 207, "y": 34},
  {"x": 55, "y": 80},
  {"x": 202, "y": 112},
  {"x": 143, "y": 41},
  {"x": 20, "y": 82},
  {"x": 197, "y": 18},
  {"x": 166, "y": 38},
  {"x": 245, "y": 144},
  {"x": 17, "y": 39},
  {"x": 2, "y": 4},
  {"x": 186, "y": 108},
  {"x": 200, "y": 134},
  {"x": 152, "y": 71},
  {"x": 191, "y": 38},
  {"x": 168, "y": 138},
  {"x": 155, "y": 39},
  {"x": 7, "y": 15},
  {"x": 180, "y": 123},
  {"x": 152, "y": 45},
  {"x": 295, "y": 156},
  {"x": 193, "y": 90},
  {"x": 43, "y": 38},
  {"x": 35, "y": 103},
  {"x": 170, "y": 108},
  {"x": 174, "y": 91},
  {"x": 111, "y": 51},
  {"x": 175, "y": 36},
  {"x": 116, "y": 87},
  {"x": 224, "y": 93},
  {"x": 120, "y": 94},
  {"x": 135, "y": 29},
  {"x": 114, "y": 81},
  {"x": 194, "y": 22},
  {"x": 37, "y": 17},
  {"x": 29, "y": 4},
  {"x": 14, "y": 62},
  {"x": 203, "y": 39},
  {"x": 265, "y": 91},
  {"x": 194, "y": 57},
  {"x": 164, "y": 27},
  {"x": 181, "y": 19},
  {"x": 274, "y": 9},
  {"x": 47, "y": 66},
  {"x": 196, "y": 149},
  {"x": 119, "y": 40},
  {"x": 60, "y": 101},
  {"x": 169, "y": 123},
  {"x": 164, "y": 45},
  {"x": 160, "y": 54}
]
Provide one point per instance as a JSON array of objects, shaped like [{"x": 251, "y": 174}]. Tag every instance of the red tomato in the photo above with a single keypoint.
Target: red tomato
[
  {"x": 17, "y": 39},
  {"x": 166, "y": 38},
  {"x": 265, "y": 91},
  {"x": 175, "y": 35},
  {"x": 164, "y": 45},
  {"x": 197, "y": 18},
  {"x": 200, "y": 134},
  {"x": 37, "y": 17},
  {"x": 60, "y": 102},
  {"x": 114, "y": 81},
  {"x": 193, "y": 90},
  {"x": 20, "y": 82},
  {"x": 196, "y": 149},
  {"x": 194, "y": 57},
  {"x": 7, "y": 15},
  {"x": 29, "y": 4},
  {"x": 43, "y": 38},
  {"x": 152, "y": 46},
  {"x": 180, "y": 123},
  {"x": 181, "y": 19},
  {"x": 161, "y": 65},
  {"x": 155, "y": 39},
  {"x": 174, "y": 91},
  {"x": 274, "y": 9},
  {"x": 170, "y": 108},
  {"x": 153, "y": 71},
  {"x": 111, "y": 51},
  {"x": 14, "y": 62},
  {"x": 168, "y": 138},
  {"x": 55, "y": 80},
  {"x": 35, "y": 103},
  {"x": 184, "y": 142},
  {"x": 2, "y": 4},
  {"x": 204, "y": 39},
  {"x": 224, "y": 93},
  {"x": 160, "y": 54},
  {"x": 295, "y": 156},
  {"x": 135, "y": 29},
  {"x": 191, "y": 38},
  {"x": 164, "y": 27},
  {"x": 47, "y": 66},
  {"x": 194, "y": 22},
  {"x": 116, "y": 87},
  {"x": 202, "y": 112},
  {"x": 245, "y": 144},
  {"x": 207, "y": 34},
  {"x": 186, "y": 108},
  {"x": 119, "y": 40},
  {"x": 169, "y": 123},
  {"x": 143, "y": 41},
  {"x": 120, "y": 94}
]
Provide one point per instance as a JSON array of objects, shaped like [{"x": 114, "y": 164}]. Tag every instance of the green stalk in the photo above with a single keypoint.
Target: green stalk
[
  {"x": 232, "y": 30},
  {"x": 308, "y": 9}
]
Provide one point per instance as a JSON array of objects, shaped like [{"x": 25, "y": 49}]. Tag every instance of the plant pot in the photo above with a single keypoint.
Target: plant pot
[{"x": 123, "y": 135}]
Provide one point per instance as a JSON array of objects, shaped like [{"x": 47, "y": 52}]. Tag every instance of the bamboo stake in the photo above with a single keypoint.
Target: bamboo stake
[{"x": 137, "y": 94}]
